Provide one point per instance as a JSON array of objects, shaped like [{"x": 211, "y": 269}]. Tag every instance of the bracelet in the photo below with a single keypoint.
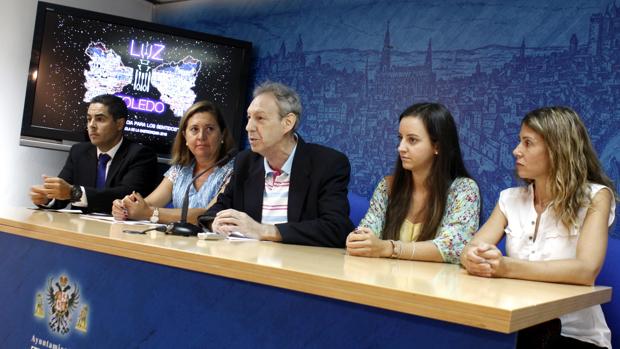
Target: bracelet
[
  {"x": 397, "y": 248},
  {"x": 393, "y": 248},
  {"x": 412, "y": 250}
]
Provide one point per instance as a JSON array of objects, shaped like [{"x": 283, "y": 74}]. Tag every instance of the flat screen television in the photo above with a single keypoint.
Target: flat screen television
[{"x": 159, "y": 71}]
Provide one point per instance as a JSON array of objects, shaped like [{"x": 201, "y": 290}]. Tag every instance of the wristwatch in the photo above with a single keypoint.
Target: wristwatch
[
  {"x": 76, "y": 193},
  {"x": 155, "y": 217}
]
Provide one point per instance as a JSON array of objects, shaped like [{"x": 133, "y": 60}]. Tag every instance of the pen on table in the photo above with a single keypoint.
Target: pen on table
[{"x": 128, "y": 231}]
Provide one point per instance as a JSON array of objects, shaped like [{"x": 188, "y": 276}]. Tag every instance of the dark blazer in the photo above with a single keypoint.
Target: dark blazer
[
  {"x": 134, "y": 167},
  {"x": 318, "y": 208}
]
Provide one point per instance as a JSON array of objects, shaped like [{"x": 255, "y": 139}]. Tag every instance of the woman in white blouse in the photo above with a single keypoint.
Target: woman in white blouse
[{"x": 556, "y": 227}]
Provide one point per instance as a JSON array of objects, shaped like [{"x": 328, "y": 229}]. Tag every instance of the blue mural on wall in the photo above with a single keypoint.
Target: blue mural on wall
[{"x": 357, "y": 64}]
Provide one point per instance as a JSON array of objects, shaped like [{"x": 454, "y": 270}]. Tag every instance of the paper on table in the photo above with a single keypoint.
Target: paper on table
[
  {"x": 210, "y": 236},
  {"x": 136, "y": 222},
  {"x": 98, "y": 217},
  {"x": 110, "y": 219},
  {"x": 237, "y": 236},
  {"x": 63, "y": 210},
  {"x": 68, "y": 210}
]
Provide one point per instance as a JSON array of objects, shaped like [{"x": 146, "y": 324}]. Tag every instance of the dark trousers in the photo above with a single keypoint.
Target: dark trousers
[{"x": 547, "y": 336}]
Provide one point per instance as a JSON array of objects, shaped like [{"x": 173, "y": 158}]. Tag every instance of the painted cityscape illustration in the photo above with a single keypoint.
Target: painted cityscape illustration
[{"x": 353, "y": 94}]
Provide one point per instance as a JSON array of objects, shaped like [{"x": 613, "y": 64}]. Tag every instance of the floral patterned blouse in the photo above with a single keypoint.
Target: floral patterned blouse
[
  {"x": 460, "y": 220},
  {"x": 181, "y": 177}
]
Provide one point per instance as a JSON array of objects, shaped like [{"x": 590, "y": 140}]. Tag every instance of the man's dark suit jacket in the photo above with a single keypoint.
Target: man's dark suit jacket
[
  {"x": 134, "y": 167},
  {"x": 318, "y": 208}
]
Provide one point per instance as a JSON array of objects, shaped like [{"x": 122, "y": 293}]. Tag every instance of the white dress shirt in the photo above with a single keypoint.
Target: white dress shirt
[{"x": 84, "y": 200}]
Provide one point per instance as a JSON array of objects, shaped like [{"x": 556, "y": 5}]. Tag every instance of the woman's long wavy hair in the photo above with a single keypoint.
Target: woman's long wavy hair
[
  {"x": 572, "y": 159},
  {"x": 446, "y": 167},
  {"x": 181, "y": 155}
]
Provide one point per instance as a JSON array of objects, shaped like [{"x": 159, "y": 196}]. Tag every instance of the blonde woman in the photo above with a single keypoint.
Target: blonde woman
[
  {"x": 201, "y": 141},
  {"x": 556, "y": 226}
]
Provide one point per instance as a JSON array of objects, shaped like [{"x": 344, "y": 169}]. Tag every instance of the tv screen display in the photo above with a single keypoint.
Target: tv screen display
[{"x": 158, "y": 71}]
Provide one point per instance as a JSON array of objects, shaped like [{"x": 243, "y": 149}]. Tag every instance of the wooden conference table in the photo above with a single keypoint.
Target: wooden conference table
[{"x": 157, "y": 290}]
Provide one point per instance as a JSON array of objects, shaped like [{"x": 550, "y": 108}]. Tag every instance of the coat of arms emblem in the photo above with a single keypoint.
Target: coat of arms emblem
[{"x": 63, "y": 299}]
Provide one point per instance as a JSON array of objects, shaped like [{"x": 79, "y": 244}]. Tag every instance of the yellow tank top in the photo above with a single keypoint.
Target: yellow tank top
[{"x": 410, "y": 231}]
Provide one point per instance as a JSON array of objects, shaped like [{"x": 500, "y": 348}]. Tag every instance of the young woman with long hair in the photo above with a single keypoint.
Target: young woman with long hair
[{"x": 429, "y": 208}]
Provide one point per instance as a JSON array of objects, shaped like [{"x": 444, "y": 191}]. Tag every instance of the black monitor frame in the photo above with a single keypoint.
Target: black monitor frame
[{"x": 45, "y": 137}]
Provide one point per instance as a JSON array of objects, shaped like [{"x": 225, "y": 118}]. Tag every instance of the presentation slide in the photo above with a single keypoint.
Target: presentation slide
[{"x": 157, "y": 75}]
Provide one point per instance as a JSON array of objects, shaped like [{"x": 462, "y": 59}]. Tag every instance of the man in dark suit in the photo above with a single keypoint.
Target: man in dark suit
[
  {"x": 106, "y": 168},
  {"x": 284, "y": 189}
]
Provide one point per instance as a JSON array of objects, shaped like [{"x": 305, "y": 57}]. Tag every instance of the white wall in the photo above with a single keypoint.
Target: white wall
[{"x": 23, "y": 166}]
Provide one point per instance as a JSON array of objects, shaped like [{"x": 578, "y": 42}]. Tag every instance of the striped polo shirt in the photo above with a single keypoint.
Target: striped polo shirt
[{"x": 275, "y": 196}]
